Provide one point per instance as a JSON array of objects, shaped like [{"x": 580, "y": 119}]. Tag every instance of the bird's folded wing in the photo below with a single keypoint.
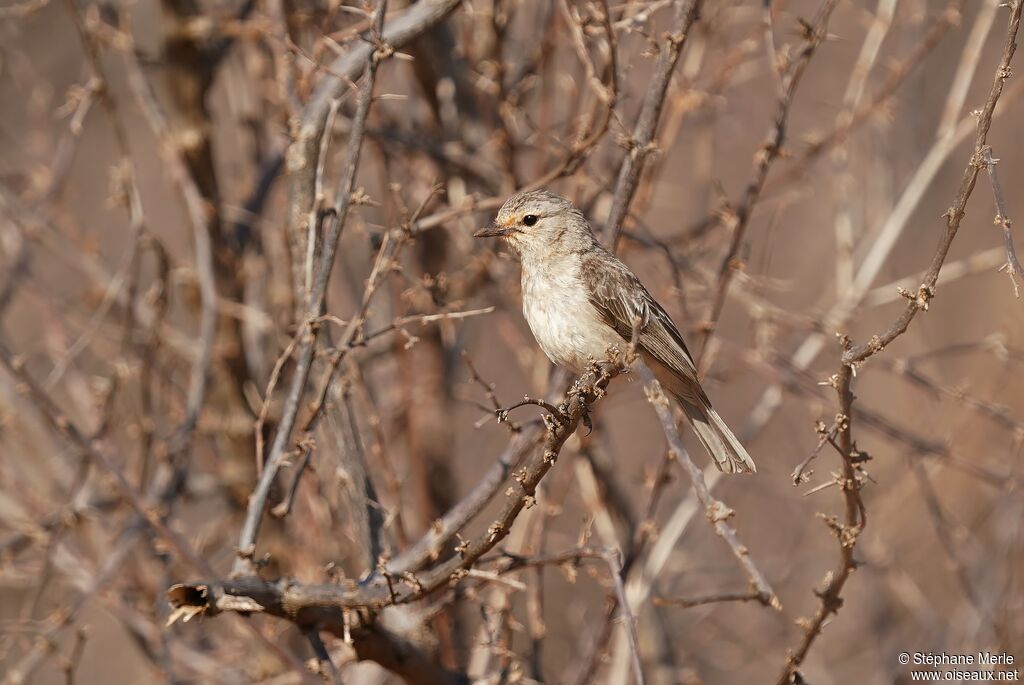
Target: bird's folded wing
[{"x": 619, "y": 297}]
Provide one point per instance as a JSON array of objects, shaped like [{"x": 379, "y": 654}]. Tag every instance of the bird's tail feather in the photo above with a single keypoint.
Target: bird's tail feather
[{"x": 729, "y": 455}]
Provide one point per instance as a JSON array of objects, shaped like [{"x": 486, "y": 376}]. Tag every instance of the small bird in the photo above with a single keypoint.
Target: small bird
[{"x": 582, "y": 303}]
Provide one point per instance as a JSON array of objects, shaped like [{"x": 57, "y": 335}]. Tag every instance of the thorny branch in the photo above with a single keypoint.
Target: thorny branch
[
  {"x": 954, "y": 215},
  {"x": 792, "y": 70},
  {"x": 947, "y": 18},
  {"x": 640, "y": 144},
  {"x": 137, "y": 358},
  {"x": 853, "y": 475},
  {"x": 1012, "y": 266},
  {"x": 716, "y": 511},
  {"x": 327, "y": 606},
  {"x": 332, "y": 225}
]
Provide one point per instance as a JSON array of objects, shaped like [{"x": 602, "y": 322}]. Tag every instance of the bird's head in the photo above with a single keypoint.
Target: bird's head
[{"x": 539, "y": 222}]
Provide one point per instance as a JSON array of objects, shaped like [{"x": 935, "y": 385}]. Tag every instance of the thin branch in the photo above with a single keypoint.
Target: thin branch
[
  {"x": 314, "y": 307},
  {"x": 641, "y": 142},
  {"x": 428, "y": 547},
  {"x": 942, "y": 531},
  {"x": 853, "y": 476},
  {"x": 198, "y": 212},
  {"x": 304, "y": 151},
  {"x": 846, "y": 532},
  {"x": 954, "y": 215},
  {"x": 948, "y": 18},
  {"x": 284, "y": 507},
  {"x": 800, "y": 473},
  {"x": 1012, "y": 266},
  {"x": 488, "y": 389},
  {"x": 715, "y": 510},
  {"x": 327, "y": 666},
  {"x": 739, "y": 217},
  {"x": 629, "y": 623},
  {"x": 882, "y": 244},
  {"x": 714, "y": 598},
  {"x": 63, "y": 426},
  {"x": 502, "y": 412},
  {"x": 328, "y": 605}
]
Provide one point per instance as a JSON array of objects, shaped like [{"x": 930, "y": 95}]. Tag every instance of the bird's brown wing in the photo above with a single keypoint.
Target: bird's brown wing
[{"x": 619, "y": 296}]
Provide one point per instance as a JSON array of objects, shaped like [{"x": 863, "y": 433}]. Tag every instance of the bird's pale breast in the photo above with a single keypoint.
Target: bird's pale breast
[{"x": 566, "y": 325}]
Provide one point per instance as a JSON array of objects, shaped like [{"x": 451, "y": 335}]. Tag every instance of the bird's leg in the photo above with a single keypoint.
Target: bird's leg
[
  {"x": 607, "y": 371},
  {"x": 599, "y": 374},
  {"x": 618, "y": 358},
  {"x": 591, "y": 383},
  {"x": 585, "y": 413},
  {"x": 588, "y": 388}
]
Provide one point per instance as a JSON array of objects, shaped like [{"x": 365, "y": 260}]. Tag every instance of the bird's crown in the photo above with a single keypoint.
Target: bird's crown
[{"x": 539, "y": 203}]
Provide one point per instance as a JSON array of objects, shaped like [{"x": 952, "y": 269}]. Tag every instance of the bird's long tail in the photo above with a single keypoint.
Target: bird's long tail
[{"x": 729, "y": 455}]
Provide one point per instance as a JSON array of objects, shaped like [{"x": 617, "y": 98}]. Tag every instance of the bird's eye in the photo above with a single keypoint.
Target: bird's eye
[{"x": 530, "y": 219}]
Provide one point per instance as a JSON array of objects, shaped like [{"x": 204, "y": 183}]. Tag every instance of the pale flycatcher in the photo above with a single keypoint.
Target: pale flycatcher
[{"x": 582, "y": 302}]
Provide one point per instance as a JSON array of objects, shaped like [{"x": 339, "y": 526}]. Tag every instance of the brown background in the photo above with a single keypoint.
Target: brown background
[{"x": 912, "y": 592}]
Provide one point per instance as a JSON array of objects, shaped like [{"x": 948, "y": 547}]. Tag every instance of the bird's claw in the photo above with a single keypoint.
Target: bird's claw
[{"x": 585, "y": 413}]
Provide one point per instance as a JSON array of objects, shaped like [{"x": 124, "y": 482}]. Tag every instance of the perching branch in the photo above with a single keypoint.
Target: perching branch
[{"x": 338, "y": 608}]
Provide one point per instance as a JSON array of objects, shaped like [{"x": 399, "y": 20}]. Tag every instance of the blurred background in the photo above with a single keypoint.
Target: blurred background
[{"x": 152, "y": 244}]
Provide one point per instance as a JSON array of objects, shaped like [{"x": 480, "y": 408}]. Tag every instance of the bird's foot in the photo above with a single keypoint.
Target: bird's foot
[{"x": 585, "y": 413}]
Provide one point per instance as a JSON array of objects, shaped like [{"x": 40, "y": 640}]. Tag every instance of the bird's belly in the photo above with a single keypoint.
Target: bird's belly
[{"x": 567, "y": 327}]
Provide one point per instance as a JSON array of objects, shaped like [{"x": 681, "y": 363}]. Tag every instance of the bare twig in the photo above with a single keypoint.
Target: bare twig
[
  {"x": 62, "y": 425},
  {"x": 739, "y": 216},
  {"x": 428, "y": 547},
  {"x": 800, "y": 473},
  {"x": 197, "y": 211},
  {"x": 714, "y": 598},
  {"x": 853, "y": 476},
  {"x": 314, "y": 307},
  {"x": 954, "y": 215},
  {"x": 881, "y": 247},
  {"x": 629, "y": 625},
  {"x": 641, "y": 142},
  {"x": 326, "y": 605},
  {"x": 1012, "y": 266},
  {"x": 488, "y": 389},
  {"x": 502, "y": 412},
  {"x": 305, "y": 149},
  {"x": 947, "y": 18},
  {"x": 716, "y": 511},
  {"x": 323, "y": 657}
]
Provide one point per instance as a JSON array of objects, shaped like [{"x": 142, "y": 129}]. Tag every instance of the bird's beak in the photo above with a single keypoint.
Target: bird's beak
[{"x": 492, "y": 231}]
